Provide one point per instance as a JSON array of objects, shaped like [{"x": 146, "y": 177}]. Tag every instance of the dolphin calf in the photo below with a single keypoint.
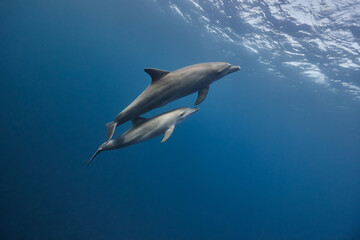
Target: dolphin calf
[
  {"x": 168, "y": 86},
  {"x": 144, "y": 129}
]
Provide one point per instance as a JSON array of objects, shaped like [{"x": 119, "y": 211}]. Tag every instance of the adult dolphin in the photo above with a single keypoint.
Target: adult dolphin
[
  {"x": 145, "y": 129},
  {"x": 168, "y": 86}
]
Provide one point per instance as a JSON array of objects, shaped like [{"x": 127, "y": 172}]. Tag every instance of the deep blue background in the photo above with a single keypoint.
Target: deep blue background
[{"x": 264, "y": 158}]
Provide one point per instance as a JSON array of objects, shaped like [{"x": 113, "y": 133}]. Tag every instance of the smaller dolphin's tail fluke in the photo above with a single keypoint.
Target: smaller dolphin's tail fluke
[
  {"x": 96, "y": 153},
  {"x": 110, "y": 129}
]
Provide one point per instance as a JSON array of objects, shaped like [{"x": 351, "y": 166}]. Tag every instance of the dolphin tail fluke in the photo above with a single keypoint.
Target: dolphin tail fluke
[
  {"x": 110, "y": 130},
  {"x": 96, "y": 153}
]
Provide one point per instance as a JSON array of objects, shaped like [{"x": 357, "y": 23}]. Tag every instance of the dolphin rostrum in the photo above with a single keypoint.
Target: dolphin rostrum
[
  {"x": 168, "y": 86},
  {"x": 144, "y": 129}
]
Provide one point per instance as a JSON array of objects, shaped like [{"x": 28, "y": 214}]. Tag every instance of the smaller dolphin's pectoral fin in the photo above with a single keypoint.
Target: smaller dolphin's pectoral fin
[
  {"x": 156, "y": 74},
  {"x": 202, "y": 95},
  {"x": 138, "y": 120},
  {"x": 168, "y": 133}
]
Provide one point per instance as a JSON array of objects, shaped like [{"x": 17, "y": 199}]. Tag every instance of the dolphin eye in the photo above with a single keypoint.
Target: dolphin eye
[{"x": 182, "y": 114}]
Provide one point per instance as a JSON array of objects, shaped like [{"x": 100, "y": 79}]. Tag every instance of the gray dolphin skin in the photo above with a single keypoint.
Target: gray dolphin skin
[
  {"x": 168, "y": 86},
  {"x": 145, "y": 129}
]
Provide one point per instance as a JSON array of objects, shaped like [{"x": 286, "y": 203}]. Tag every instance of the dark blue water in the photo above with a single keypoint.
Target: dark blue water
[{"x": 264, "y": 157}]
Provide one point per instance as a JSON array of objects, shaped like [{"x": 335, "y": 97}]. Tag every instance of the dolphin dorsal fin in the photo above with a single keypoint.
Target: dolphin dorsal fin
[
  {"x": 138, "y": 120},
  {"x": 156, "y": 74}
]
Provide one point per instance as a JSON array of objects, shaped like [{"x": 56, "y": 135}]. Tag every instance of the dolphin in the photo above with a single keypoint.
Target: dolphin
[
  {"x": 168, "y": 86},
  {"x": 144, "y": 129}
]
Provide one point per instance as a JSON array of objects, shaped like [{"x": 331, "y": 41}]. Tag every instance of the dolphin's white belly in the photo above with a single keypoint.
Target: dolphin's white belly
[{"x": 147, "y": 131}]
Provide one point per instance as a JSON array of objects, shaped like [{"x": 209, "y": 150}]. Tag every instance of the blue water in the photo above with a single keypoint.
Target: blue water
[{"x": 265, "y": 157}]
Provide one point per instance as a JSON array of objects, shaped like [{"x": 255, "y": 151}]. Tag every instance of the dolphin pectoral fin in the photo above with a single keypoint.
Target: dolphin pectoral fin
[
  {"x": 110, "y": 130},
  {"x": 168, "y": 133},
  {"x": 156, "y": 74},
  {"x": 202, "y": 95}
]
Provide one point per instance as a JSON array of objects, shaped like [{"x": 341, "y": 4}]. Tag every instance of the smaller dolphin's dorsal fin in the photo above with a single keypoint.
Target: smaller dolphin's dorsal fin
[
  {"x": 138, "y": 120},
  {"x": 156, "y": 74}
]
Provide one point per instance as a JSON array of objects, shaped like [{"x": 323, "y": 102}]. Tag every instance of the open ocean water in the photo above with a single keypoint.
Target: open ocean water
[{"x": 273, "y": 152}]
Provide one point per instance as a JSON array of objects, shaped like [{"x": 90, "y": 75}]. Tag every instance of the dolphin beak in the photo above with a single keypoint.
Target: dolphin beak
[
  {"x": 193, "y": 110},
  {"x": 233, "y": 69}
]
